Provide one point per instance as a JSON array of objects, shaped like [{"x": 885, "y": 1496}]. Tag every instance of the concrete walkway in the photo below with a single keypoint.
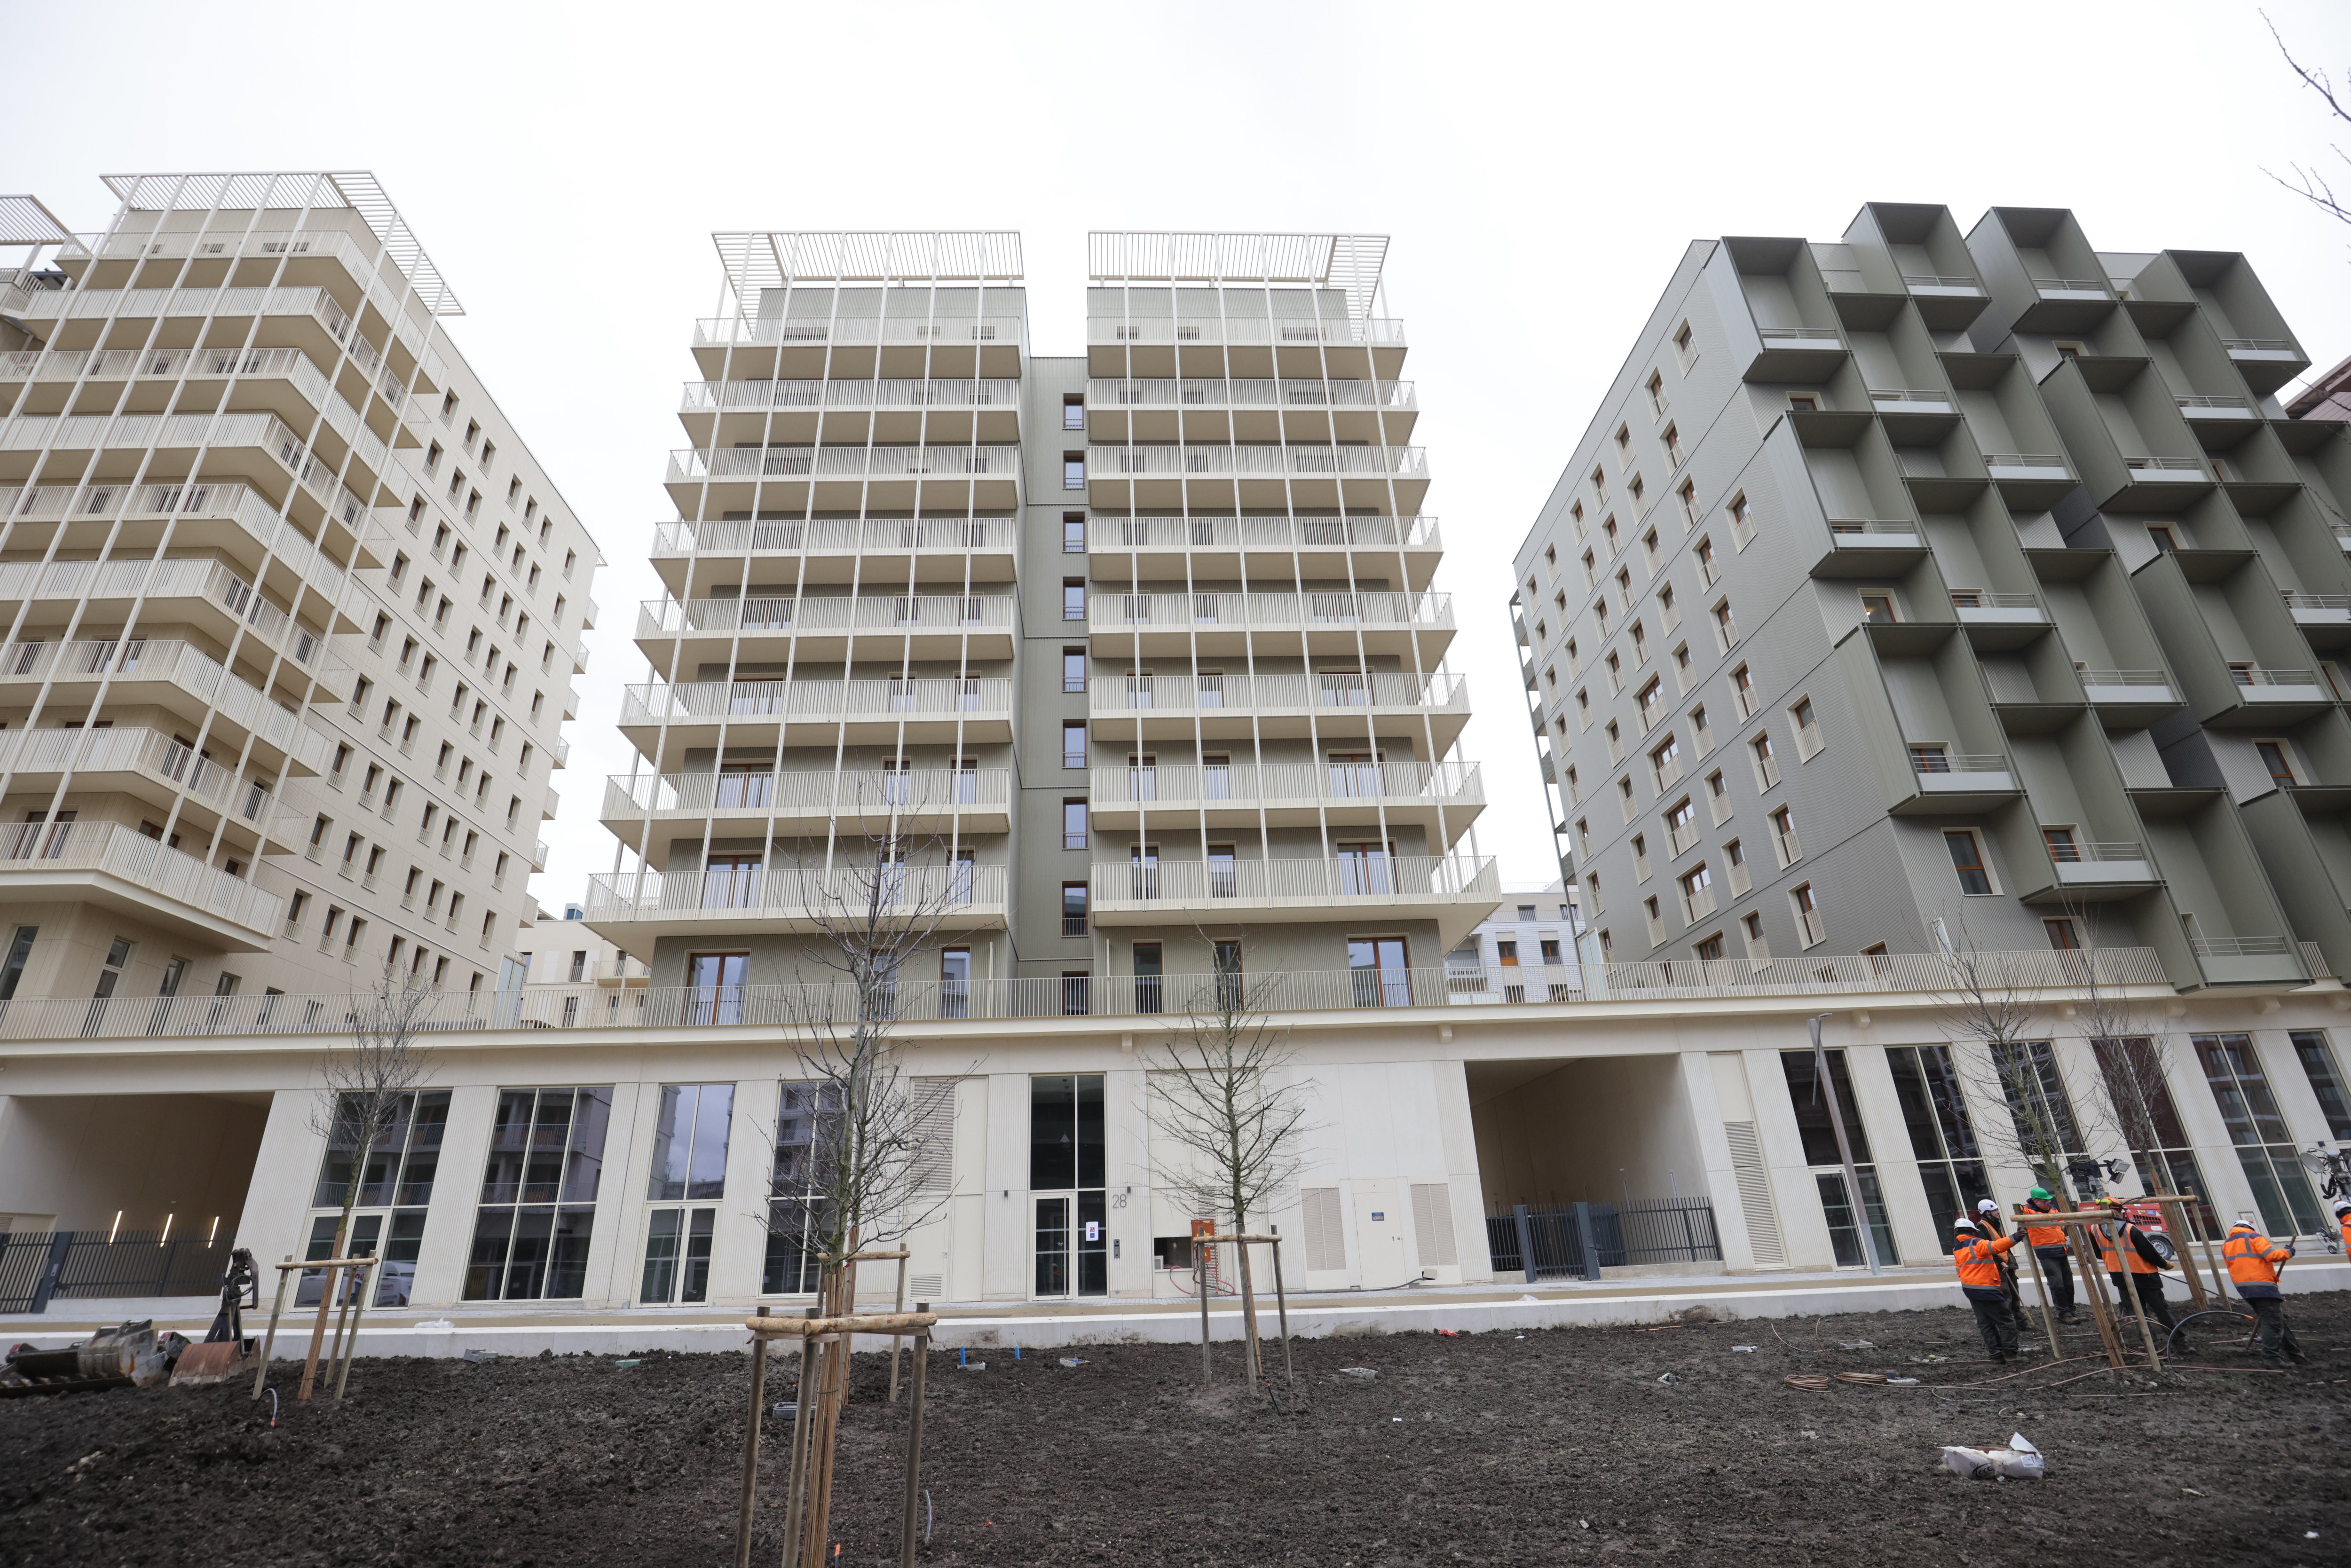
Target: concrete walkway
[{"x": 1469, "y": 1308}]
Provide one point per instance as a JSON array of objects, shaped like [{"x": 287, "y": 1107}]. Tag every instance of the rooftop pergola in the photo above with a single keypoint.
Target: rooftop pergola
[
  {"x": 355, "y": 190},
  {"x": 777, "y": 259},
  {"x": 1347, "y": 262},
  {"x": 24, "y": 220}
]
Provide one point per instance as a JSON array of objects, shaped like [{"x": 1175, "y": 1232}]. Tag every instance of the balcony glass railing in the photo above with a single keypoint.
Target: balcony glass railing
[
  {"x": 861, "y": 331},
  {"x": 1183, "y": 694},
  {"x": 690, "y": 464},
  {"x": 832, "y": 613},
  {"x": 790, "y": 793},
  {"x": 833, "y": 535},
  {"x": 1170, "y": 392},
  {"x": 1243, "y": 331},
  {"x": 705, "y": 397},
  {"x": 1111, "y": 612},
  {"x": 1253, "y": 784},
  {"x": 1463, "y": 879},
  {"x": 812, "y": 701},
  {"x": 1287, "y": 462},
  {"x": 1111, "y": 535},
  {"x": 752, "y": 892}
]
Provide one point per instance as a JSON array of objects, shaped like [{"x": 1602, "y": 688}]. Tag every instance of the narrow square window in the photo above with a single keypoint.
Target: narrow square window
[
  {"x": 1073, "y": 824},
  {"x": 1968, "y": 861},
  {"x": 1073, "y": 743},
  {"x": 1074, "y": 598},
  {"x": 1073, "y": 671},
  {"x": 2273, "y": 757},
  {"x": 1073, "y": 533},
  {"x": 1073, "y": 470},
  {"x": 1074, "y": 411}
]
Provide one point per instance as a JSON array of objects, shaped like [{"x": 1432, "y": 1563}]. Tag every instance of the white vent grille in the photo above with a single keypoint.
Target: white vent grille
[
  {"x": 926, "y": 1287},
  {"x": 1326, "y": 1239},
  {"x": 1432, "y": 1223}
]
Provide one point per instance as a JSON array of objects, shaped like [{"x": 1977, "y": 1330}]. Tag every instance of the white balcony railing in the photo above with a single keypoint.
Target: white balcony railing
[
  {"x": 179, "y": 663},
  {"x": 1169, "y": 392},
  {"x": 1189, "y": 787},
  {"x": 1872, "y": 527},
  {"x": 791, "y": 793},
  {"x": 2251, "y": 677},
  {"x": 1286, "y": 462},
  {"x": 1111, "y": 535},
  {"x": 1802, "y": 337},
  {"x": 241, "y": 429},
  {"x": 1938, "y": 763},
  {"x": 717, "y": 331},
  {"x": 814, "y": 701},
  {"x": 133, "y": 749},
  {"x": 2299, "y": 601},
  {"x": 2173, "y": 467},
  {"x": 846, "y": 536},
  {"x": 692, "y": 464},
  {"x": 836, "y": 613},
  {"x": 306, "y": 301},
  {"x": 707, "y": 397},
  {"x": 1109, "y": 612},
  {"x": 149, "y": 864},
  {"x": 765, "y": 1008},
  {"x": 184, "y": 578},
  {"x": 1384, "y": 879},
  {"x": 1243, "y": 331},
  {"x": 1184, "y": 693},
  {"x": 739, "y": 892},
  {"x": 2046, "y": 460}
]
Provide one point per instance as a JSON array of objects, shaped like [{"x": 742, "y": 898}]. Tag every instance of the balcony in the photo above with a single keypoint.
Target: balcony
[
  {"x": 234, "y": 518},
  {"x": 116, "y": 866},
  {"x": 1927, "y": 285},
  {"x": 538, "y": 855},
  {"x": 1996, "y": 620},
  {"x": 716, "y": 397},
  {"x": 1270, "y": 476},
  {"x": 829, "y": 629},
  {"x": 310, "y": 304},
  {"x": 1948, "y": 782},
  {"x": 1802, "y": 354},
  {"x": 2199, "y": 407},
  {"x": 710, "y": 479},
  {"x": 925, "y": 709},
  {"x": 2087, "y": 864},
  {"x": 305, "y": 388},
  {"x": 1871, "y": 547},
  {"x": 635, "y": 905},
  {"x": 860, "y": 331},
  {"x": 149, "y": 763},
  {"x": 1286, "y": 707},
  {"x": 202, "y": 591},
  {"x": 860, "y": 801},
  {"x": 2073, "y": 288},
  {"x": 1456, "y": 892},
  {"x": 1265, "y": 546},
  {"x": 2166, "y": 470},
  {"x": 1270, "y": 625},
  {"x": 1170, "y": 392},
  {"x": 1441, "y": 799},
  {"x": 2036, "y": 467},
  {"x": 932, "y": 546},
  {"x": 1911, "y": 399},
  {"x": 2260, "y": 687},
  {"x": 2136, "y": 696},
  {"x": 176, "y": 673},
  {"x": 2322, "y": 612},
  {"x": 1242, "y": 332}
]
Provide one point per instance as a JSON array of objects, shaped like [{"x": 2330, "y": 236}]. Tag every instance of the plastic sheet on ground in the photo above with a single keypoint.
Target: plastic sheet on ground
[{"x": 2019, "y": 1462}]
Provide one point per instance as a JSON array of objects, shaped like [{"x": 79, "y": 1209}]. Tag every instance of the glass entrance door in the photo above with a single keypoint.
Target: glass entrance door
[{"x": 1052, "y": 1246}]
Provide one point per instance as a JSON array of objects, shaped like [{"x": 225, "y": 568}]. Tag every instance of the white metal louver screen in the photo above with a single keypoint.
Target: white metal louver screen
[
  {"x": 1432, "y": 1223},
  {"x": 1326, "y": 1239}
]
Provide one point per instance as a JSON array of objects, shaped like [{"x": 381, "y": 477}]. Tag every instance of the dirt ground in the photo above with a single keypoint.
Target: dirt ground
[{"x": 1561, "y": 1445}]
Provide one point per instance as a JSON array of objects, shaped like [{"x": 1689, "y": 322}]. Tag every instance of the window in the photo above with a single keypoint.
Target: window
[
  {"x": 1750, "y": 933},
  {"x": 1943, "y": 1140},
  {"x": 1810, "y": 926},
  {"x": 1624, "y": 797},
  {"x": 1698, "y": 894},
  {"x": 1709, "y": 569},
  {"x": 1684, "y": 668},
  {"x": 1734, "y": 855},
  {"x": 1075, "y": 983},
  {"x": 1930, "y": 757},
  {"x": 1742, "y": 521},
  {"x": 1657, "y": 921},
  {"x": 1681, "y": 826},
  {"x": 2069, "y": 350},
  {"x": 1073, "y": 824},
  {"x": 1073, "y": 743},
  {"x": 538, "y": 1209},
  {"x": 2162, "y": 538},
  {"x": 715, "y": 986},
  {"x": 1717, "y": 797},
  {"x": 1640, "y": 636},
  {"x": 1074, "y": 598},
  {"x": 1726, "y": 628},
  {"x": 1624, "y": 446},
  {"x": 2061, "y": 934},
  {"x": 395, "y": 1179},
  {"x": 1877, "y": 610},
  {"x": 1591, "y": 570},
  {"x": 1710, "y": 948},
  {"x": 1651, "y": 698},
  {"x": 2318, "y": 1065},
  {"x": 1967, "y": 860},
  {"x": 1818, "y": 1133},
  {"x": 2274, "y": 757},
  {"x": 1767, "y": 767},
  {"x": 1685, "y": 347},
  {"x": 1592, "y": 883},
  {"x": 1664, "y": 763},
  {"x": 1073, "y": 671},
  {"x": 2063, "y": 848},
  {"x": 1803, "y": 402},
  {"x": 1807, "y": 726},
  {"x": 1380, "y": 974},
  {"x": 1074, "y": 411},
  {"x": 1616, "y": 742},
  {"x": 1784, "y": 836},
  {"x": 1641, "y": 857},
  {"x": 1073, "y": 533},
  {"x": 1073, "y": 470},
  {"x": 1656, "y": 387},
  {"x": 2264, "y": 1148},
  {"x": 1742, "y": 692},
  {"x": 1073, "y": 909},
  {"x": 1616, "y": 667},
  {"x": 2138, "y": 1084}
]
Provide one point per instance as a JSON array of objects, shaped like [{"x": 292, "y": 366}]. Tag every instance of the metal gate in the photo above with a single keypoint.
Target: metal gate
[
  {"x": 1576, "y": 1241},
  {"x": 35, "y": 1269}
]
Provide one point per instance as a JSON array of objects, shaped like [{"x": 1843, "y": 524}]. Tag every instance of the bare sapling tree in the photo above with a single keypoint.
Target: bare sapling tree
[
  {"x": 857, "y": 1170},
  {"x": 365, "y": 1086},
  {"x": 1993, "y": 1001},
  {"x": 2309, "y": 182},
  {"x": 1228, "y": 1118}
]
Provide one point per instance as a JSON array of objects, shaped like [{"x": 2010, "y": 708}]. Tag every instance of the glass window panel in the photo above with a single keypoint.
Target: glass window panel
[
  {"x": 792, "y": 1245},
  {"x": 1089, "y": 1129},
  {"x": 485, "y": 1265},
  {"x": 2318, "y": 1065},
  {"x": 1844, "y": 1240},
  {"x": 526, "y": 1265},
  {"x": 2235, "y": 1074},
  {"x": 509, "y": 1141},
  {"x": 672, "y": 1132},
  {"x": 583, "y": 1175},
  {"x": 712, "y": 1123},
  {"x": 1811, "y": 1108},
  {"x": 396, "y": 1276},
  {"x": 662, "y": 1239},
  {"x": 2037, "y": 1102},
  {"x": 567, "y": 1259},
  {"x": 693, "y": 1280},
  {"x": 1052, "y": 1133}
]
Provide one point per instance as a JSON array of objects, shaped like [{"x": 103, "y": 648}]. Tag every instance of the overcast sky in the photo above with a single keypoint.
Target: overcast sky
[{"x": 1540, "y": 169}]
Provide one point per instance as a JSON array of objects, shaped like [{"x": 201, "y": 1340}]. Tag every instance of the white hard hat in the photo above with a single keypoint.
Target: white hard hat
[{"x": 1987, "y": 1206}]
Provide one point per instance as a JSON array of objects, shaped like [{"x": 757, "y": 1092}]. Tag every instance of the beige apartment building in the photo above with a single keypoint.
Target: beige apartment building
[{"x": 292, "y": 613}]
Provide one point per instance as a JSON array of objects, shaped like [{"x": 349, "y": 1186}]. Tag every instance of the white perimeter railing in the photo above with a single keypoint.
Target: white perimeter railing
[
  {"x": 1121, "y": 996},
  {"x": 46, "y": 848}
]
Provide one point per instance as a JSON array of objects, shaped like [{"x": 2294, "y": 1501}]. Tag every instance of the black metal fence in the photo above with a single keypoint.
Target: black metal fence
[
  {"x": 1576, "y": 1241},
  {"x": 35, "y": 1269}
]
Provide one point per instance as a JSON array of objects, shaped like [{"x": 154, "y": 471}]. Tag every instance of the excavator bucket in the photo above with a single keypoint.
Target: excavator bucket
[{"x": 220, "y": 1361}]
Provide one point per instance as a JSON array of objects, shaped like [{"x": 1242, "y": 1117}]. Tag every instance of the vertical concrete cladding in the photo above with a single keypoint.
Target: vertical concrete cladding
[{"x": 1929, "y": 589}]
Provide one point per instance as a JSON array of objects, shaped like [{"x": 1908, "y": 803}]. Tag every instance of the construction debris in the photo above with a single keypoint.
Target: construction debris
[
  {"x": 128, "y": 1355},
  {"x": 2019, "y": 1461},
  {"x": 1363, "y": 1373}
]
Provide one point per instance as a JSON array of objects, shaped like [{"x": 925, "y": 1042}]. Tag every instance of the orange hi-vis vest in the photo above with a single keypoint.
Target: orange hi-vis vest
[
  {"x": 1978, "y": 1261},
  {"x": 2041, "y": 1235},
  {"x": 2112, "y": 1242},
  {"x": 2347, "y": 1236},
  {"x": 2253, "y": 1261}
]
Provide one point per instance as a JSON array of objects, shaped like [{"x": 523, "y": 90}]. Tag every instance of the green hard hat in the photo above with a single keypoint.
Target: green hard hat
[{"x": 2039, "y": 1192}]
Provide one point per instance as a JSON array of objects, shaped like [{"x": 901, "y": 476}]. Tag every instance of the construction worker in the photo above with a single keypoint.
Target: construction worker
[
  {"x": 2048, "y": 1244},
  {"x": 1988, "y": 1219},
  {"x": 2343, "y": 1218},
  {"x": 2126, "y": 1251},
  {"x": 2252, "y": 1260},
  {"x": 1977, "y": 1258}
]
